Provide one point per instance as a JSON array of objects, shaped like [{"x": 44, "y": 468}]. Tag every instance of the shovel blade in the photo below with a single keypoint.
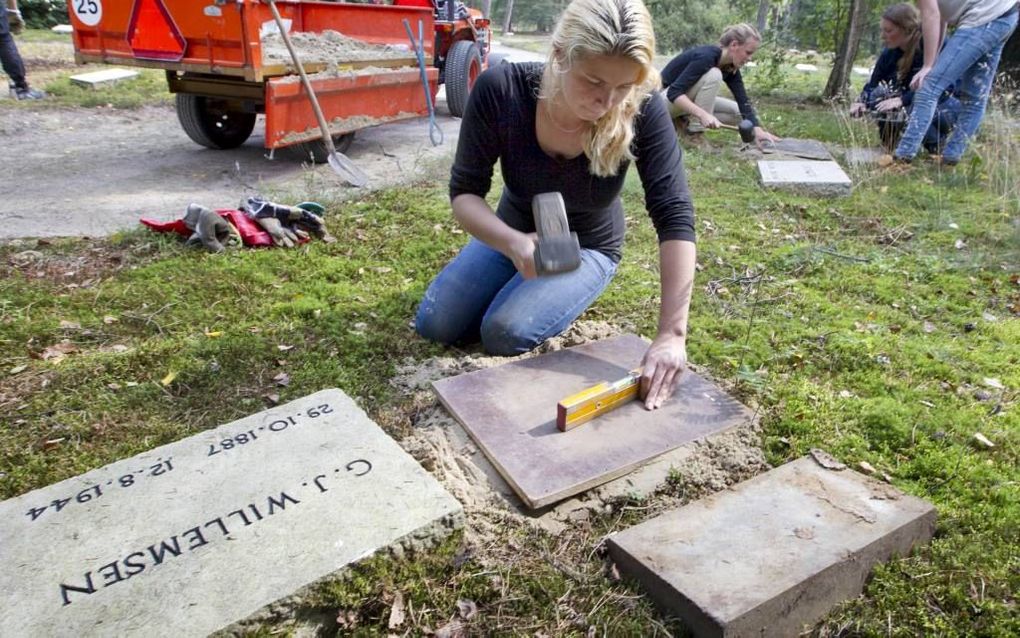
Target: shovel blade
[{"x": 347, "y": 170}]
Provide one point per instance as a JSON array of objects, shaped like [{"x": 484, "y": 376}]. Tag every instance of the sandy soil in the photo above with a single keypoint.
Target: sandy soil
[{"x": 442, "y": 446}]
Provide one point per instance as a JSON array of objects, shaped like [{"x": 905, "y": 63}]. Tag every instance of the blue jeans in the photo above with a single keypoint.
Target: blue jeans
[
  {"x": 972, "y": 56},
  {"x": 481, "y": 294}
]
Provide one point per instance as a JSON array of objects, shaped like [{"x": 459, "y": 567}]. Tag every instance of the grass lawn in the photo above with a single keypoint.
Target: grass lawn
[{"x": 883, "y": 327}]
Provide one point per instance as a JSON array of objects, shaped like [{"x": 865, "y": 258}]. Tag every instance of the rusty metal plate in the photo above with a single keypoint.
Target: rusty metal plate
[{"x": 510, "y": 412}]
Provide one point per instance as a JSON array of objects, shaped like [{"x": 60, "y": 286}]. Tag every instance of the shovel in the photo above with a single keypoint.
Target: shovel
[{"x": 341, "y": 164}]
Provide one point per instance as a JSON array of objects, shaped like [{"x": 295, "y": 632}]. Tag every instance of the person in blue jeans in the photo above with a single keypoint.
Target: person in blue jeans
[
  {"x": 573, "y": 125},
  {"x": 10, "y": 59},
  {"x": 971, "y": 54},
  {"x": 887, "y": 96}
]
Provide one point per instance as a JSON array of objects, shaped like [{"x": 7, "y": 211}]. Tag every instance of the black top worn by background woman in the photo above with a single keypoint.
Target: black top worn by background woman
[
  {"x": 499, "y": 123},
  {"x": 885, "y": 81}
]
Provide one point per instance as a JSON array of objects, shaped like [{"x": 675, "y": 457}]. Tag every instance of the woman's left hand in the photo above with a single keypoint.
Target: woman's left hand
[
  {"x": 890, "y": 104},
  {"x": 662, "y": 367}
]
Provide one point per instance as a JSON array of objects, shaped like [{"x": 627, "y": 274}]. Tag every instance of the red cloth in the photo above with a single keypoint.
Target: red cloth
[{"x": 251, "y": 233}]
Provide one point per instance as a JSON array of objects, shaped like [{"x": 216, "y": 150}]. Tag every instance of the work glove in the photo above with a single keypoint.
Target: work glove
[
  {"x": 15, "y": 22},
  {"x": 212, "y": 231},
  {"x": 287, "y": 225}
]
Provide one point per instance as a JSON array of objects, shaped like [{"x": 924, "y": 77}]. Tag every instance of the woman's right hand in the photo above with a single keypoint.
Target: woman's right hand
[
  {"x": 521, "y": 251},
  {"x": 856, "y": 109},
  {"x": 709, "y": 121}
]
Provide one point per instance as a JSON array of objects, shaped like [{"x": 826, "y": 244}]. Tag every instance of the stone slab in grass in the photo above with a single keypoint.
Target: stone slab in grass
[
  {"x": 510, "y": 412},
  {"x": 196, "y": 535},
  {"x": 802, "y": 148},
  {"x": 774, "y": 554},
  {"x": 805, "y": 176},
  {"x": 95, "y": 79}
]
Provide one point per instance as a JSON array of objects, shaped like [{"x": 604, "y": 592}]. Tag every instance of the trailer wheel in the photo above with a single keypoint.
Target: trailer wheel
[
  {"x": 316, "y": 150},
  {"x": 213, "y": 123},
  {"x": 463, "y": 65}
]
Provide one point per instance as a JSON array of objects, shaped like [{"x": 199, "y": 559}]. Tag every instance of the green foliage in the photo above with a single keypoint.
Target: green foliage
[
  {"x": 681, "y": 25},
  {"x": 43, "y": 14}
]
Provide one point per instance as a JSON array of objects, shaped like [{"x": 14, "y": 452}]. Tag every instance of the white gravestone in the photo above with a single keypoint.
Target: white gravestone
[
  {"x": 95, "y": 79},
  {"x": 810, "y": 177},
  {"x": 196, "y": 535}
]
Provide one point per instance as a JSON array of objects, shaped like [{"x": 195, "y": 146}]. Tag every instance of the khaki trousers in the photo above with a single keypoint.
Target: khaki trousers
[{"x": 705, "y": 93}]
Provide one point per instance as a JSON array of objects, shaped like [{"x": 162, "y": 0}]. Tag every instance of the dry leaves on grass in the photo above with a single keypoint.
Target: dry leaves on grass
[{"x": 58, "y": 351}]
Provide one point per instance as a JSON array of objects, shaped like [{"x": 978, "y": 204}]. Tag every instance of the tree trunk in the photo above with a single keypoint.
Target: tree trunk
[
  {"x": 763, "y": 12},
  {"x": 487, "y": 8},
  {"x": 839, "y": 78},
  {"x": 509, "y": 16}
]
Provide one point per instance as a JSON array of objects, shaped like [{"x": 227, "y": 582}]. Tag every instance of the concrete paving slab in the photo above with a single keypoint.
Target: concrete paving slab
[
  {"x": 193, "y": 536},
  {"x": 794, "y": 147},
  {"x": 808, "y": 177},
  {"x": 774, "y": 554},
  {"x": 95, "y": 79},
  {"x": 510, "y": 412}
]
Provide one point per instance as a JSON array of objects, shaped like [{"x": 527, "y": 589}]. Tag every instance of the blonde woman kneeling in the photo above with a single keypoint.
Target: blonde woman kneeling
[{"x": 573, "y": 125}]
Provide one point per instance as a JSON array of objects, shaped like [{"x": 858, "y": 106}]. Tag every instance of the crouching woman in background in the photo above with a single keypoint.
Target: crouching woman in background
[{"x": 887, "y": 96}]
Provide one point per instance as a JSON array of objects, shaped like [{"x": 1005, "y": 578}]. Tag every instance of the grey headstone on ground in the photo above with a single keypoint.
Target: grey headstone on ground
[
  {"x": 773, "y": 554},
  {"x": 794, "y": 147},
  {"x": 805, "y": 176},
  {"x": 95, "y": 79},
  {"x": 196, "y": 535}
]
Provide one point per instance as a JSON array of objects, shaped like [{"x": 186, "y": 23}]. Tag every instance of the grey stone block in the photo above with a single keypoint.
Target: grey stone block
[
  {"x": 808, "y": 177},
  {"x": 193, "y": 536},
  {"x": 774, "y": 554}
]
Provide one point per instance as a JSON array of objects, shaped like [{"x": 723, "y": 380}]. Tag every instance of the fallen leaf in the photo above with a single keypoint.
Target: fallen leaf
[
  {"x": 69, "y": 325},
  {"x": 17, "y": 369},
  {"x": 119, "y": 347},
  {"x": 284, "y": 348},
  {"x": 866, "y": 467},
  {"x": 826, "y": 460},
  {"x": 169, "y": 378},
  {"x": 58, "y": 351},
  {"x": 131, "y": 384},
  {"x": 989, "y": 317},
  {"x": 845, "y": 394},
  {"x": 397, "y": 612},
  {"x": 273, "y": 399},
  {"x": 452, "y": 629},
  {"x": 52, "y": 443},
  {"x": 113, "y": 386},
  {"x": 282, "y": 379},
  {"x": 109, "y": 319},
  {"x": 467, "y": 608},
  {"x": 959, "y": 244},
  {"x": 992, "y": 382},
  {"x": 954, "y": 225},
  {"x": 214, "y": 333},
  {"x": 982, "y": 440}
]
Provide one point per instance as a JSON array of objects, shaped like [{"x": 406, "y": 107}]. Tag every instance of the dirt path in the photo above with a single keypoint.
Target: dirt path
[{"x": 94, "y": 172}]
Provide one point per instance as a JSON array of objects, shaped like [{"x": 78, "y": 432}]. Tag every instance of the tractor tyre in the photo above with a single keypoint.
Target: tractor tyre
[
  {"x": 213, "y": 123},
  {"x": 316, "y": 151},
  {"x": 463, "y": 64}
]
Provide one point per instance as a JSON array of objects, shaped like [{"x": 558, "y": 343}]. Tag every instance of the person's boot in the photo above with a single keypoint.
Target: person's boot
[{"x": 26, "y": 93}]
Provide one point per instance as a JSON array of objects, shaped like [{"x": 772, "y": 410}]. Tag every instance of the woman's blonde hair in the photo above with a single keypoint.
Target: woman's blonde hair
[
  {"x": 739, "y": 33},
  {"x": 605, "y": 27},
  {"x": 908, "y": 19}
]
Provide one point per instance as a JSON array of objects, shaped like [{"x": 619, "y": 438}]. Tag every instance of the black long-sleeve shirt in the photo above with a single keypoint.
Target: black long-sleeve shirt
[
  {"x": 886, "y": 74},
  {"x": 499, "y": 124},
  {"x": 686, "y": 69}
]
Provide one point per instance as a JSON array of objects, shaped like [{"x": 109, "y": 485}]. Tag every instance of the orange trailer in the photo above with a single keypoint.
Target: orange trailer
[{"x": 220, "y": 67}]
